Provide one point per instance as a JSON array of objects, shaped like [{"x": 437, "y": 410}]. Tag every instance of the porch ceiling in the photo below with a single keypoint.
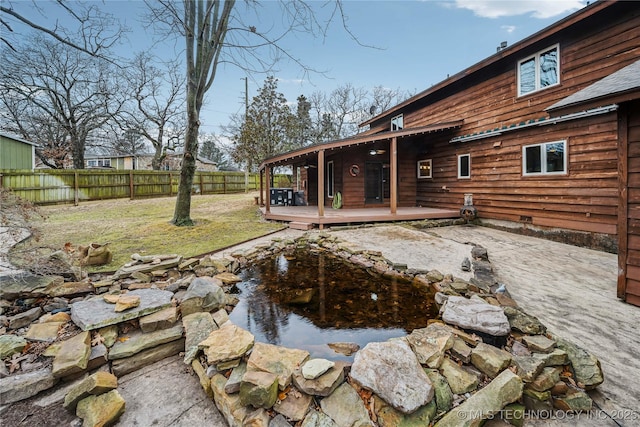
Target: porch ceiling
[{"x": 300, "y": 154}]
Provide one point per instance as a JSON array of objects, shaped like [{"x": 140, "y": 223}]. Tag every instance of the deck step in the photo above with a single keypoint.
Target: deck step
[{"x": 300, "y": 225}]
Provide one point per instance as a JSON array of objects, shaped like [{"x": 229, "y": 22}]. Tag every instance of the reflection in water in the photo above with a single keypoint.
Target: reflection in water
[{"x": 306, "y": 299}]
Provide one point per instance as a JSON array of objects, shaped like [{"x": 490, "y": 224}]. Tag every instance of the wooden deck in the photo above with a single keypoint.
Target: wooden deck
[{"x": 309, "y": 214}]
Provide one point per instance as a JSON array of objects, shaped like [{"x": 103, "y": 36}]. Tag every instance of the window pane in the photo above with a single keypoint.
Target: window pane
[
  {"x": 549, "y": 68},
  {"x": 464, "y": 166},
  {"x": 527, "y": 76},
  {"x": 533, "y": 159},
  {"x": 555, "y": 157}
]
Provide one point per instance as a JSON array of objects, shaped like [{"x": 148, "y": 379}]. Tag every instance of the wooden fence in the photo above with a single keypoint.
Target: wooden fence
[{"x": 50, "y": 186}]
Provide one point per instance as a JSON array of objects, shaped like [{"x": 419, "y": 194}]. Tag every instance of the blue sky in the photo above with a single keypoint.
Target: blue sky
[{"x": 418, "y": 43}]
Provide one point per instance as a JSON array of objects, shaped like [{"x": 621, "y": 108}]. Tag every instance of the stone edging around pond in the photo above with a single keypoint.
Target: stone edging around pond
[{"x": 446, "y": 373}]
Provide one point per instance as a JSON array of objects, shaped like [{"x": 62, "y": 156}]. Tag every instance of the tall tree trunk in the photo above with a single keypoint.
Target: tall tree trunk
[{"x": 182, "y": 213}]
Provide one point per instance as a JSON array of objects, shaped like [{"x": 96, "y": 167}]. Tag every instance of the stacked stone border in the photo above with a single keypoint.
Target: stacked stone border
[{"x": 494, "y": 360}]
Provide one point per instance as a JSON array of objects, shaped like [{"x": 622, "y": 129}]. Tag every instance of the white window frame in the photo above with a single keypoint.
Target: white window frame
[
  {"x": 536, "y": 58},
  {"x": 397, "y": 122},
  {"x": 430, "y": 168},
  {"x": 460, "y": 157},
  {"x": 543, "y": 159},
  {"x": 331, "y": 182}
]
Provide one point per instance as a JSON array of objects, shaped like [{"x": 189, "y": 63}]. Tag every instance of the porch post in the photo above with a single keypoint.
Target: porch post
[
  {"x": 321, "y": 183},
  {"x": 261, "y": 187},
  {"x": 394, "y": 175},
  {"x": 267, "y": 174}
]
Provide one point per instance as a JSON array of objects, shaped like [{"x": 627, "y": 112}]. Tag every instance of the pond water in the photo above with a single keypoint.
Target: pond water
[{"x": 306, "y": 299}]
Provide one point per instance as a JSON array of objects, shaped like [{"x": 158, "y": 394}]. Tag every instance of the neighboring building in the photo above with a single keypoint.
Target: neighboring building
[
  {"x": 171, "y": 162},
  {"x": 16, "y": 153},
  {"x": 544, "y": 133}
]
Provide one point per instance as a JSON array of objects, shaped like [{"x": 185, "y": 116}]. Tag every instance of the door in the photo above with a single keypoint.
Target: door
[{"x": 373, "y": 182}]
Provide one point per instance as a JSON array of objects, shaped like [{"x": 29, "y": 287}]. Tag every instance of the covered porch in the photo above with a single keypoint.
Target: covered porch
[
  {"x": 367, "y": 178},
  {"x": 305, "y": 217}
]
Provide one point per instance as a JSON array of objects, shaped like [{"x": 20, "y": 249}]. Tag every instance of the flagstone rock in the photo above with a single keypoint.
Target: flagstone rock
[
  {"x": 389, "y": 417},
  {"x": 574, "y": 401},
  {"x": 98, "y": 383},
  {"x": 539, "y": 343},
  {"x": 10, "y": 344},
  {"x": 429, "y": 344},
  {"x": 475, "y": 315},
  {"x": 95, "y": 313},
  {"x": 124, "y": 366},
  {"x": 137, "y": 341},
  {"x": 22, "y": 386},
  {"x": 227, "y": 343},
  {"x": 490, "y": 360},
  {"x": 220, "y": 317},
  {"x": 317, "y": 419},
  {"x": 235, "y": 379},
  {"x": 392, "y": 371},
  {"x": 203, "y": 294},
  {"x": 97, "y": 357},
  {"x": 102, "y": 410},
  {"x": 459, "y": 379},
  {"x": 461, "y": 350},
  {"x": 110, "y": 335},
  {"x": 548, "y": 378},
  {"x": 325, "y": 384},
  {"x": 162, "y": 319},
  {"x": 443, "y": 395},
  {"x": 345, "y": 408},
  {"x": 279, "y": 421},
  {"x": 313, "y": 368},
  {"x": 228, "y": 278},
  {"x": 57, "y": 289},
  {"x": 586, "y": 366},
  {"x": 205, "y": 381},
  {"x": 25, "y": 318},
  {"x": 259, "y": 389},
  {"x": 60, "y": 317},
  {"x": 522, "y": 322},
  {"x": 277, "y": 360},
  {"x": 556, "y": 358},
  {"x": 295, "y": 406},
  {"x": 229, "y": 405},
  {"x": 26, "y": 285},
  {"x": 258, "y": 418},
  {"x": 529, "y": 367},
  {"x": 344, "y": 348},
  {"x": 504, "y": 389},
  {"x": 126, "y": 302},
  {"x": 73, "y": 355},
  {"x": 44, "y": 332},
  {"x": 147, "y": 264},
  {"x": 197, "y": 327}
]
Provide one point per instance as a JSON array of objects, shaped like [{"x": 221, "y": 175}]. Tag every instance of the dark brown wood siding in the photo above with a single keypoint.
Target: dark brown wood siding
[{"x": 629, "y": 255}]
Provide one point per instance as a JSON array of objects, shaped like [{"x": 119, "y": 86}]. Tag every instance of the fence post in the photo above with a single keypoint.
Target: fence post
[
  {"x": 75, "y": 188},
  {"x": 201, "y": 185},
  {"x": 170, "y": 185},
  {"x": 131, "y": 186}
]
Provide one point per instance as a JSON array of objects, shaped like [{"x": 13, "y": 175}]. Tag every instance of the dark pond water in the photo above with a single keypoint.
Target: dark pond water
[{"x": 306, "y": 299}]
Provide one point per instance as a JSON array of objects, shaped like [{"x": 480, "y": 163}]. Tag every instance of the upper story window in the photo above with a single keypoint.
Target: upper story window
[
  {"x": 544, "y": 159},
  {"x": 539, "y": 71},
  {"x": 397, "y": 122}
]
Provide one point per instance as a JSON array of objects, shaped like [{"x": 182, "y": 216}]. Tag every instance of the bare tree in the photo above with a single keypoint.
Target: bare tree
[
  {"x": 216, "y": 31},
  {"x": 63, "y": 90},
  {"x": 157, "y": 110},
  {"x": 90, "y": 30}
]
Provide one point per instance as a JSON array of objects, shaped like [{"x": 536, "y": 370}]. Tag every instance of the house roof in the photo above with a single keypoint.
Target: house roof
[
  {"x": 15, "y": 138},
  {"x": 514, "y": 49},
  {"x": 357, "y": 140},
  {"x": 623, "y": 84}
]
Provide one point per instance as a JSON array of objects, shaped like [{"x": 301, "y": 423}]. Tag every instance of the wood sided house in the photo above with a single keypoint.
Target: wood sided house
[
  {"x": 544, "y": 134},
  {"x": 16, "y": 153}
]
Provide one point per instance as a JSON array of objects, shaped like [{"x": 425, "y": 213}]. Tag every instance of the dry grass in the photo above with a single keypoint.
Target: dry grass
[{"x": 142, "y": 226}]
